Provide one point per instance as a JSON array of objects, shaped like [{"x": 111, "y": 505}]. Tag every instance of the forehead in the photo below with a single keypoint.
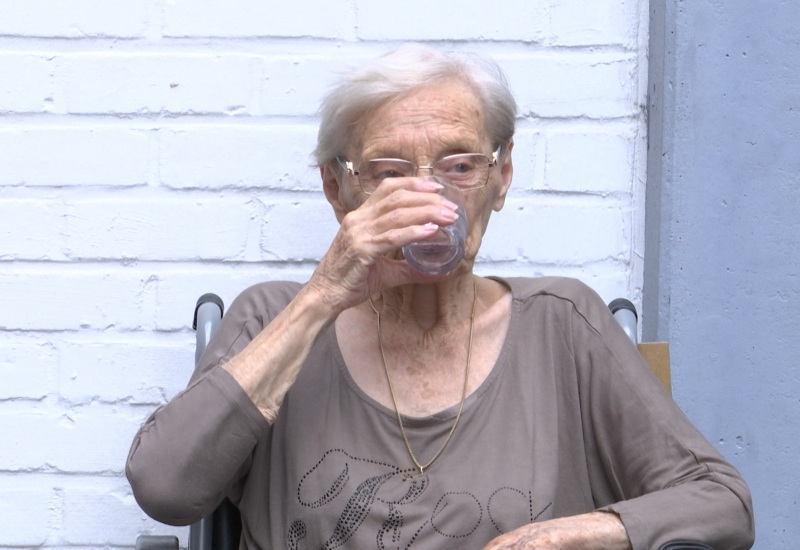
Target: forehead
[{"x": 439, "y": 119}]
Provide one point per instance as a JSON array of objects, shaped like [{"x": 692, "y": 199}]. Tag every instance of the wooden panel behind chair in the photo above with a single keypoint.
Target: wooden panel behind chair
[{"x": 656, "y": 355}]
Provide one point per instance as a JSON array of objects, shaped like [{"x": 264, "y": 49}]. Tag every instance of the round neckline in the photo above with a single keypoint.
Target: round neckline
[{"x": 449, "y": 412}]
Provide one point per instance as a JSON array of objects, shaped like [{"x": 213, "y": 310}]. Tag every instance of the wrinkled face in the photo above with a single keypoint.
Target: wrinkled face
[{"x": 431, "y": 123}]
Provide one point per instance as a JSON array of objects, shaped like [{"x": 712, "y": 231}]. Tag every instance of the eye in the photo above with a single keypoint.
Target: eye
[
  {"x": 388, "y": 174},
  {"x": 458, "y": 165},
  {"x": 380, "y": 169},
  {"x": 461, "y": 168}
]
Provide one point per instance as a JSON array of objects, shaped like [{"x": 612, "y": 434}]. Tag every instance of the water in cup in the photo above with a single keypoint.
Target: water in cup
[{"x": 442, "y": 251}]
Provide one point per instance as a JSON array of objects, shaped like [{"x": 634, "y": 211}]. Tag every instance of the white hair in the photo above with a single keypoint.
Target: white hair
[{"x": 395, "y": 75}]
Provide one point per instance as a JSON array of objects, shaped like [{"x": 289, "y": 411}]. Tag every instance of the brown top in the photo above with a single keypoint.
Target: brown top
[{"x": 569, "y": 420}]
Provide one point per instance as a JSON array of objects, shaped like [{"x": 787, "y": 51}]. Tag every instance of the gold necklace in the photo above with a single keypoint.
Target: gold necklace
[{"x": 423, "y": 467}]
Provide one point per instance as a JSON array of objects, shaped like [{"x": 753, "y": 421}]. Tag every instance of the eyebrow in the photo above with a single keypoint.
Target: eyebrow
[{"x": 453, "y": 149}]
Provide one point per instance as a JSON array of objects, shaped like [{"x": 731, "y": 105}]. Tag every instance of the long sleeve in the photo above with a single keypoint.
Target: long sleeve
[
  {"x": 668, "y": 480},
  {"x": 194, "y": 451},
  {"x": 190, "y": 453}
]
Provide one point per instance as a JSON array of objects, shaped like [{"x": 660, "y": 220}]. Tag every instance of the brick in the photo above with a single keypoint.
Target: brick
[
  {"x": 160, "y": 228},
  {"x": 245, "y": 18},
  {"x": 98, "y": 297},
  {"x": 25, "y": 82},
  {"x": 468, "y": 20},
  {"x": 38, "y": 155},
  {"x": 107, "y": 370},
  {"x": 602, "y": 22},
  {"x": 61, "y": 511},
  {"x": 25, "y": 513},
  {"x": 528, "y": 157},
  {"x": 177, "y": 291},
  {"x": 557, "y": 85},
  {"x": 176, "y": 229},
  {"x": 91, "y": 439},
  {"x": 27, "y": 370},
  {"x": 30, "y": 229},
  {"x": 213, "y": 156},
  {"x": 74, "y": 19},
  {"x": 112, "y": 83},
  {"x": 88, "y": 506},
  {"x": 556, "y": 232},
  {"x": 297, "y": 231},
  {"x": 610, "y": 280},
  {"x": 71, "y": 299},
  {"x": 593, "y": 163},
  {"x": 294, "y": 85}
]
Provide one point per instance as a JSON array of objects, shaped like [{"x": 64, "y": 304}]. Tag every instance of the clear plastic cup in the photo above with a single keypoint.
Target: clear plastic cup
[{"x": 441, "y": 252}]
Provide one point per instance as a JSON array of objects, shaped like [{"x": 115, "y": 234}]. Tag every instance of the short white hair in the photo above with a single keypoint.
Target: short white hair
[{"x": 395, "y": 75}]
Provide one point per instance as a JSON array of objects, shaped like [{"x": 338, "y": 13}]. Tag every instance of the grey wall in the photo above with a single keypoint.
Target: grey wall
[{"x": 722, "y": 258}]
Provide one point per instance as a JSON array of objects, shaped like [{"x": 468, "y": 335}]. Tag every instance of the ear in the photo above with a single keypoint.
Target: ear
[
  {"x": 333, "y": 189},
  {"x": 506, "y": 172}
]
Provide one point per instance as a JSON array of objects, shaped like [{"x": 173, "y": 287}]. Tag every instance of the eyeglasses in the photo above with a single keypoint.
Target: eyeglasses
[{"x": 468, "y": 171}]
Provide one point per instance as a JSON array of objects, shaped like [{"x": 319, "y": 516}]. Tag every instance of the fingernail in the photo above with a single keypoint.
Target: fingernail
[
  {"x": 433, "y": 185},
  {"x": 450, "y": 215}
]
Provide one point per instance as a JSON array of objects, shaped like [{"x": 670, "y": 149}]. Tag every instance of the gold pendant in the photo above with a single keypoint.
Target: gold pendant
[{"x": 414, "y": 475}]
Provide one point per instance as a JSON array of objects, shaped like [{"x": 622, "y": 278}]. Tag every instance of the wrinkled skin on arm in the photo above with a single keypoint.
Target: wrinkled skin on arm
[{"x": 596, "y": 530}]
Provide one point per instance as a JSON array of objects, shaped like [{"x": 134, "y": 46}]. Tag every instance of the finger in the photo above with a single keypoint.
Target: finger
[
  {"x": 405, "y": 225},
  {"x": 404, "y": 209},
  {"x": 390, "y": 185},
  {"x": 393, "y": 239}
]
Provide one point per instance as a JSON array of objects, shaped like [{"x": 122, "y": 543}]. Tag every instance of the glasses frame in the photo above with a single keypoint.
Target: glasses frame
[{"x": 350, "y": 168}]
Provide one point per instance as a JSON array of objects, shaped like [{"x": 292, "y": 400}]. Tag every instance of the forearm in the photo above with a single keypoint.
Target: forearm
[
  {"x": 357, "y": 265},
  {"x": 716, "y": 510},
  {"x": 186, "y": 457},
  {"x": 593, "y": 531},
  {"x": 270, "y": 363}
]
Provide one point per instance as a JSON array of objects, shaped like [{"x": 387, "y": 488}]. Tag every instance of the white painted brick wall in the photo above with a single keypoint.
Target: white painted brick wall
[{"x": 153, "y": 151}]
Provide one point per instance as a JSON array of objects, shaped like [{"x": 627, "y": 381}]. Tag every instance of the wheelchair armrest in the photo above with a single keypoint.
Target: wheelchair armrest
[
  {"x": 156, "y": 542},
  {"x": 684, "y": 545}
]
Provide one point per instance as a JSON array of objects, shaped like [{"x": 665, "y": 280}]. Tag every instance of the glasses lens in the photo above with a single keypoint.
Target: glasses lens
[
  {"x": 372, "y": 172},
  {"x": 463, "y": 170}
]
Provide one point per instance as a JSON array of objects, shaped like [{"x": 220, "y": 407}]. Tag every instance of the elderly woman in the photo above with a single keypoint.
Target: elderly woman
[{"x": 381, "y": 407}]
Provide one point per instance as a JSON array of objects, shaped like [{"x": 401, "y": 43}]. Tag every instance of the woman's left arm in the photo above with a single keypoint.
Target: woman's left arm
[
  {"x": 647, "y": 463},
  {"x": 653, "y": 477},
  {"x": 595, "y": 530}
]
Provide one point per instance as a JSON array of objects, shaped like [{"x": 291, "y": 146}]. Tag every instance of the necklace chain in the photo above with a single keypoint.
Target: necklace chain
[{"x": 419, "y": 466}]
